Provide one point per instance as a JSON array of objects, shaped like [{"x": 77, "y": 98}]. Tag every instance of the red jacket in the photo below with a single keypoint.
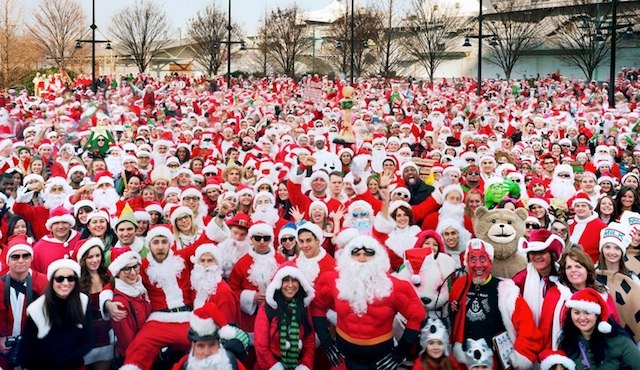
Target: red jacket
[
  {"x": 127, "y": 328},
  {"x": 267, "y": 342}
]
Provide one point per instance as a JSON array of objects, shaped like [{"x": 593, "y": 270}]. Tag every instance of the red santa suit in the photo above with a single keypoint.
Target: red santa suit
[
  {"x": 303, "y": 201},
  {"x": 586, "y": 233},
  {"x": 314, "y": 267},
  {"x": 136, "y": 303},
  {"x": 49, "y": 249},
  {"x": 36, "y": 216}
]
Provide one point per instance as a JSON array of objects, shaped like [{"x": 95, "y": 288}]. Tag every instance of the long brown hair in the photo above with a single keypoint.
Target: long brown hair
[
  {"x": 584, "y": 260},
  {"x": 85, "y": 277}
]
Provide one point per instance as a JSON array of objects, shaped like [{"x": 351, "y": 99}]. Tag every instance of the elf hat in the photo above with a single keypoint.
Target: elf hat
[{"x": 589, "y": 300}]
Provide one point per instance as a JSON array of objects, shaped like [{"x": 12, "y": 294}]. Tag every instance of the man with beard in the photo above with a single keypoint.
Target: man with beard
[
  {"x": 60, "y": 243},
  {"x": 265, "y": 211},
  {"x": 209, "y": 334},
  {"x": 471, "y": 178},
  {"x": 251, "y": 275},
  {"x": 231, "y": 238},
  {"x": 366, "y": 299},
  {"x": 452, "y": 208},
  {"x": 484, "y": 306},
  {"x": 75, "y": 176},
  {"x": 105, "y": 195},
  {"x": 602, "y": 154},
  {"x": 562, "y": 185},
  {"x": 246, "y": 148},
  {"x": 166, "y": 275},
  {"x": 536, "y": 188},
  {"x": 207, "y": 284},
  {"x": 419, "y": 189},
  {"x": 586, "y": 226},
  {"x": 56, "y": 192}
]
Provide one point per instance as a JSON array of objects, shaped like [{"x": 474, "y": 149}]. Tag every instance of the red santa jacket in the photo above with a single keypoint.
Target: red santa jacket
[
  {"x": 38, "y": 284},
  {"x": 138, "y": 309},
  {"x": 303, "y": 201},
  {"x": 223, "y": 298},
  {"x": 49, "y": 249},
  {"x": 375, "y": 326},
  {"x": 267, "y": 342},
  {"x": 36, "y": 216},
  {"x": 312, "y": 268},
  {"x": 587, "y": 233}
]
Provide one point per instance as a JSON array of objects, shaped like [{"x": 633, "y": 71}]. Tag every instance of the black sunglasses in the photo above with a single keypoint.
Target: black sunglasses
[
  {"x": 128, "y": 269},
  {"x": 403, "y": 195},
  {"x": 288, "y": 239},
  {"x": 70, "y": 278},
  {"x": 24, "y": 256},
  {"x": 259, "y": 238},
  {"x": 367, "y": 251},
  {"x": 532, "y": 226},
  {"x": 564, "y": 175}
]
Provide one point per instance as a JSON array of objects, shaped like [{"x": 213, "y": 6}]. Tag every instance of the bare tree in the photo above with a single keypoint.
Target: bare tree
[
  {"x": 513, "y": 37},
  {"x": 576, "y": 35},
  {"x": 286, "y": 37},
  {"x": 57, "y": 25},
  {"x": 389, "y": 47},
  {"x": 432, "y": 29},
  {"x": 19, "y": 52},
  {"x": 140, "y": 30},
  {"x": 367, "y": 31},
  {"x": 208, "y": 31},
  {"x": 261, "y": 58}
]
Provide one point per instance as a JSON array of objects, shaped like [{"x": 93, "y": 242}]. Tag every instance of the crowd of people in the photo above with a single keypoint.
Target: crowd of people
[{"x": 279, "y": 224}]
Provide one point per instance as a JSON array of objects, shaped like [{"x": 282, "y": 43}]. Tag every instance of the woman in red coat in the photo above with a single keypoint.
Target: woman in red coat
[{"x": 284, "y": 338}]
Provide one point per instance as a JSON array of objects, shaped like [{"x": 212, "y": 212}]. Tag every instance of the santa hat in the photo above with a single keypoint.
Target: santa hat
[
  {"x": 538, "y": 202},
  {"x": 87, "y": 245},
  {"x": 288, "y": 269},
  {"x": 617, "y": 234},
  {"x": 319, "y": 203},
  {"x": 402, "y": 191},
  {"x": 312, "y": 228},
  {"x": 262, "y": 194},
  {"x": 630, "y": 174},
  {"x": 261, "y": 228},
  {"x": 103, "y": 177},
  {"x": 241, "y": 220},
  {"x": 31, "y": 177},
  {"x": 63, "y": 263},
  {"x": 207, "y": 248},
  {"x": 478, "y": 244},
  {"x": 243, "y": 189},
  {"x": 580, "y": 197},
  {"x": 541, "y": 240},
  {"x": 366, "y": 242},
  {"x": 319, "y": 175},
  {"x": 153, "y": 207},
  {"x": 60, "y": 214},
  {"x": 208, "y": 322},
  {"x": 172, "y": 190},
  {"x": 394, "y": 205},
  {"x": 550, "y": 358},
  {"x": 142, "y": 215},
  {"x": 190, "y": 191},
  {"x": 453, "y": 187},
  {"x": 434, "y": 329},
  {"x": 120, "y": 258},
  {"x": 83, "y": 203},
  {"x": 159, "y": 230},
  {"x": 18, "y": 243},
  {"x": 589, "y": 300},
  {"x": 563, "y": 168},
  {"x": 179, "y": 212},
  {"x": 97, "y": 213}
]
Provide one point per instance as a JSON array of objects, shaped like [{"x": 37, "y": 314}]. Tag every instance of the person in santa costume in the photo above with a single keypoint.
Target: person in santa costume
[
  {"x": 210, "y": 336},
  {"x": 556, "y": 360},
  {"x": 59, "y": 243},
  {"x": 231, "y": 236},
  {"x": 23, "y": 286},
  {"x": 166, "y": 275},
  {"x": 313, "y": 260},
  {"x": 562, "y": 184},
  {"x": 452, "y": 207},
  {"x": 284, "y": 336},
  {"x": 251, "y": 275},
  {"x": 483, "y": 306},
  {"x": 207, "y": 283},
  {"x": 586, "y": 226},
  {"x": 366, "y": 299},
  {"x": 538, "y": 282}
]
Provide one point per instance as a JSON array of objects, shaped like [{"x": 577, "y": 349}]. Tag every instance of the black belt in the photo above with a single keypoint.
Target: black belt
[{"x": 178, "y": 309}]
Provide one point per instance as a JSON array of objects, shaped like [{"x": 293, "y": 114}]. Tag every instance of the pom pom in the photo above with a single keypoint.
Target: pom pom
[
  {"x": 416, "y": 279},
  {"x": 227, "y": 332},
  {"x": 604, "y": 327}
]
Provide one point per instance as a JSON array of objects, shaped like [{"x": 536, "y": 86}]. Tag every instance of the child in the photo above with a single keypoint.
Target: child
[
  {"x": 434, "y": 340},
  {"x": 556, "y": 360}
]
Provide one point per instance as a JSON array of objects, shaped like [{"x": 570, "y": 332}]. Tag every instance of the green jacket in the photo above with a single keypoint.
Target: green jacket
[{"x": 621, "y": 353}]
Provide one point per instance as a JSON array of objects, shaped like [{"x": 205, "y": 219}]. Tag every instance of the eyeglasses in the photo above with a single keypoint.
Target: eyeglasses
[
  {"x": 532, "y": 226},
  {"x": 564, "y": 175},
  {"x": 516, "y": 180},
  {"x": 367, "y": 251},
  {"x": 16, "y": 257},
  {"x": 70, "y": 278},
  {"x": 287, "y": 239},
  {"x": 128, "y": 269},
  {"x": 361, "y": 214},
  {"x": 259, "y": 238},
  {"x": 473, "y": 173}
]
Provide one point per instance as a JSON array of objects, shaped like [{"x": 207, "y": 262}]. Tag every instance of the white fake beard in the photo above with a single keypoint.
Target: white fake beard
[
  {"x": 204, "y": 280},
  {"x": 562, "y": 188},
  {"x": 598, "y": 157},
  {"x": 159, "y": 159},
  {"x": 262, "y": 269},
  {"x": 217, "y": 361},
  {"x": 231, "y": 250},
  {"x": 54, "y": 200},
  {"x": 362, "y": 283},
  {"x": 452, "y": 211},
  {"x": 114, "y": 165},
  {"x": 265, "y": 213},
  {"x": 165, "y": 273},
  {"x": 106, "y": 199}
]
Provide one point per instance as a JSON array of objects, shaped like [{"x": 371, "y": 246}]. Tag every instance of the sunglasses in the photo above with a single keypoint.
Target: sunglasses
[
  {"x": 361, "y": 214},
  {"x": 287, "y": 239},
  {"x": 515, "y": 180},
  {"x": 259, "y": 238},
  {"x": 367, "y": 251},
  {"x": 532, "y": 226},
  {"x": 16, "y": 257},
  {"x": 402, "y": 195},
  {"x": 564, "y": 175},
  {"x": 70, "y": 278},
  {"x": 128, "y": 269},
  {"x": 473, "y": 173}
]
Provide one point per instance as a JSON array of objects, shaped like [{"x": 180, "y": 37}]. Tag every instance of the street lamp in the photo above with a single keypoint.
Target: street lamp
[
  {"x": 480, "y": 36},
  {"x": 613, "y": 29},
  {"x": 229, "y": 43},
  {"x": 93, "y": 43}
]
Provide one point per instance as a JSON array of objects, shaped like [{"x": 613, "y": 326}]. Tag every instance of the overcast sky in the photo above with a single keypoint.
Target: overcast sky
[{"x": 245, "y": 12}]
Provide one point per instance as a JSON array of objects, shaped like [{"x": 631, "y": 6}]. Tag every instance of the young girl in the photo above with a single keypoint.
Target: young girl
[{"x": 434, "y": 341}]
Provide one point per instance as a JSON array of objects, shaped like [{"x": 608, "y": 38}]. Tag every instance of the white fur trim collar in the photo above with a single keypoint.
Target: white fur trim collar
[{"x": 36, "y": 312}]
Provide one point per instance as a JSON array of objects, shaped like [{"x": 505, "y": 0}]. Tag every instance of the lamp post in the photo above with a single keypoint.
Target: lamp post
[
  {"x": 93, "y": 43},
  {"x": 353, "y": 38},
  {"x": 612, "y": 65},
  {"x": 480, "y": 36},
  {"x": 229, "y": 42}
]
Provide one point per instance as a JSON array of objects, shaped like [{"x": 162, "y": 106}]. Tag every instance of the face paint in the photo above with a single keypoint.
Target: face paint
[{"x": 479, "y": 265}]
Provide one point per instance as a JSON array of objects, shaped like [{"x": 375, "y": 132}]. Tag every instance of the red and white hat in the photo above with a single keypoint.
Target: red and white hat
[
  {"x": 63, "y": 263},
  {"x": 538, "y": 202},
  {"x": 615, "y": 233},
  {"x": 541, "y": 240},
  {"x": 160, "y": 230},
  {"x": 179, "y": 212},
  {"x": 190, "y": 191},
  {"x": 120, "y": 258},
  {"x": 88, "y": 244},
  {"x": 59, "y": 214},
  {"x": 580, "y": 197},
  {"x": 261, "y": 228},
  {"x": 288, "y": 269},
  {"x": 550, "y": 358},
  {"x": 589, "y": 300},
  {"x": 103, "y": 177},
  {"x": 208, "y": 322},
  {"x": 19, "y": 243},
  {"x": 207, "y": 248}
]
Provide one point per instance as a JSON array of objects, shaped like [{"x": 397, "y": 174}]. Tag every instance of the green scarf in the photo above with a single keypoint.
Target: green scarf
[{"x": 289, "y": 336}]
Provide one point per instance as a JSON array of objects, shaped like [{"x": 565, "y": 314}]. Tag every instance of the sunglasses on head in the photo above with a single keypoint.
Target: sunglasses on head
[
  {"x": 532, "y": 226},
  {"x": 61, "y": 278},
  {"x": 361, "y": 214},
  {"x": 367, "y": 251},
  {"x": 259, "y": 238},
  {"x": 16, "y": 257},
  {"x": 287, "y": 239}
]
